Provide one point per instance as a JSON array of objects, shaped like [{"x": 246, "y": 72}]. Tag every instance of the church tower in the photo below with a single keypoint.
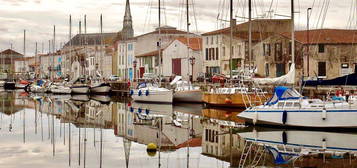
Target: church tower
[{"x": 127, "y": 31}]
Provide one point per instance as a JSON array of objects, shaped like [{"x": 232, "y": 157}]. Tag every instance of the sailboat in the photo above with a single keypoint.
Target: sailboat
[
  {"x": 287, "y": 146},
  {"x": 78, "y": 85},
  {"x": 152, "y": 91},
  {"x": 99, "y": 86},
  {"x": 185, "y": 91},
  {"x": 245, "y": 93}
]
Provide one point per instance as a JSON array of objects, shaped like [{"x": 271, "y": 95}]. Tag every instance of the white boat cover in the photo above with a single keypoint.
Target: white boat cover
[{"x": 288, "y": 78}]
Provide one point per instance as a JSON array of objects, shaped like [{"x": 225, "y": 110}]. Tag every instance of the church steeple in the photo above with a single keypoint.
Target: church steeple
[{"x": 127, "y": 31}]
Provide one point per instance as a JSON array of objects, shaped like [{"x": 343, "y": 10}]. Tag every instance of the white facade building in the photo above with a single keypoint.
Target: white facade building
[{"x": 177, "y": 58}]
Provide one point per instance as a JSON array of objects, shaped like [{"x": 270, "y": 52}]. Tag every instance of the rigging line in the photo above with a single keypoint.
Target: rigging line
[
  {"x": 194, "y": 16},
  {"x": 270, "y": 9}
]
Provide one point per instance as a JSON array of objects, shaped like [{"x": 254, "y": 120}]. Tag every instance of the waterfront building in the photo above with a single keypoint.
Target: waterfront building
[
  {"x": 216, "y": 44},
  {"x": 7, "y": 60},
  {"x": 178, "y": 57},
  {"x": 324, "y": 54}
]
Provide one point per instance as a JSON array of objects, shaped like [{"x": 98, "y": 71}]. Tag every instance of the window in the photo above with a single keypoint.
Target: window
[
  {"x": 206, "y": 135},
  {"x": 216, "y": 39},
  {"x": 207, "y": 40},
  {"x": 289, "y": 48},
  {"x": 224, "y": 51},
  {"x": 321, "y": 48},
  {"x": 280, "y": 104},
  {"x": 232, "y": 50},
  {"x": 213, "y": 54},
  {"x": 278, "y": 52},
  {"x": 130, "y": 47},
  {"x": 217, "y": 53},
  {"x": 267, "y": 70},
  {"x": 266, "y": 49},
  {"x": 206, "y": 53},
  {"x": 212, "y": 40},
  {"x": 280, "y": 70},
  {"x": 322, "y": 69}
]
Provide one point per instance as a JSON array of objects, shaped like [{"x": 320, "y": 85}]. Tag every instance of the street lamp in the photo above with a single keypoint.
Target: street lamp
[
  {"x": 192, "y": 61},
  {"x": 308, "y": 14},
  {"x": 134, "y": 64}
]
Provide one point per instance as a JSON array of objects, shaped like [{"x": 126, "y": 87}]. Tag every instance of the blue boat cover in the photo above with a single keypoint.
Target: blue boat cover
[
  {"x": 282, "y": 157},
  {"x": 283, "y": 93},
  {"x": 350, "y": 79}
]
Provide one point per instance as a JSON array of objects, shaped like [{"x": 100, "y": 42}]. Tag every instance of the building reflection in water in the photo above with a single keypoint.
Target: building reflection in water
[{"x": 93, "y": 131}]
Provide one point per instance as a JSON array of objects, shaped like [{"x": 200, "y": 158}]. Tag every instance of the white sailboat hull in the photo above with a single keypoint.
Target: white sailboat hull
[
  {"x": 80, "y": 89},
  {"x": 38, "y": 89},
  {"x": 2, "y": 83},
  {"x": 336, "y": 118},
  {"x": 102, "y": 88},
  {"x": 154, "y": 96},
  {"x": 313, "y": 140},
  {"x": 61, "y": 90},
  {"x": 191, "y": 96}
]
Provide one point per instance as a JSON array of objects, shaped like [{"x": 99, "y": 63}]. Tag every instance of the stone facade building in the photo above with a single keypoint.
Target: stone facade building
[
  {"x": 216, "y": 44},
  {"x": 324, "y": 54}
]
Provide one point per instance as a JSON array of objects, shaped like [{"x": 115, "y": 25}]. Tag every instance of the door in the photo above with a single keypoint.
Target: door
[
  {"x": 141, "y": 71},
  {"x": 176, "y": 66}
]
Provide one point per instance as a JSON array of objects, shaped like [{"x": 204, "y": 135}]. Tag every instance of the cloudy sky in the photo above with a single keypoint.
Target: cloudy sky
[{"x": 39, "y": 16}]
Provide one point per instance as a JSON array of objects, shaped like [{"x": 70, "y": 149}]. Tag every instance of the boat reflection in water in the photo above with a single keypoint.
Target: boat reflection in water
[
  {"x": 66, "y": 131},
  {"x": 298, "y": 148}
]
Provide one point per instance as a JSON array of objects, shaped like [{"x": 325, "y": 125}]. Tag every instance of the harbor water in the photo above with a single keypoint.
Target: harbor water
[{"x": 63, "y": 131}]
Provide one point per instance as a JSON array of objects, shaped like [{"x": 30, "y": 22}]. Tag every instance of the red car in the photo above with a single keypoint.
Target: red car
[{"x": 219, "y": 78}]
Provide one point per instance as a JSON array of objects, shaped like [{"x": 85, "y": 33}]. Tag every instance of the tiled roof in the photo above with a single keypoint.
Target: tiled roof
[
  {"x": 11, "y": 52},
  {"x": 93, "y": 39},
  {"x": 165, "y": 30},
  {"x": 148, "y": 54},
  {"x": 325, "y": 36},
  {"x": 258, "y": 25},
  {"x": 195, "y": 43}
]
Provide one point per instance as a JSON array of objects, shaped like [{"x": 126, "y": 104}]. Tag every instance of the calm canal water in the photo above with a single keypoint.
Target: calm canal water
[{"x": 79, "y": 131}]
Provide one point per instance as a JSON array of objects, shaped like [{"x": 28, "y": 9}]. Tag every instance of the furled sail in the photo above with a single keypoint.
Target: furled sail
[{"x": 288, "y": 78}]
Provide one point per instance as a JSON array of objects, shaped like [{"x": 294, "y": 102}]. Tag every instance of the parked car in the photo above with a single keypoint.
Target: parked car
[
  {"x": 219, "y": 78},
  {"x": 113, "y": 78},
  {"x": 202, "y": 77}
]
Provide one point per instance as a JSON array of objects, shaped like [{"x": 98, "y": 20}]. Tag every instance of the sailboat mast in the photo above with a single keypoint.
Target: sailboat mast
[
  {"x": 85, "y": 39},
  {"x": 23, "y": 62},
  {"x": 293, "y": 37},
  {"x": 101, "y": 44},
  {"x": 54, "y": 52},
  {"x": 250, "y": 35},
  {"x": 159, "y": 43},
  {"x": 188, "y": 39},
  {"x": 37, "y": 71},
  {"x": 70, "y": 42},
  {"x": 292, "y": 33},
  {"x": 231, "y": 40}
]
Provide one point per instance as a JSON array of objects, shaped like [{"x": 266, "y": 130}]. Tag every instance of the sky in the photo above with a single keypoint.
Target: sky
[{"x": 39, "y": 16}]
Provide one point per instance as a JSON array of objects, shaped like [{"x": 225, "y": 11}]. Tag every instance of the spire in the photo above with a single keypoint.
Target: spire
[{"x": 127, "y": 31}]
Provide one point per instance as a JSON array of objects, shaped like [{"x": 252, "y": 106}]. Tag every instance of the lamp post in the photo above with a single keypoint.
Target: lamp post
[
  {"x": 134, "y": 65},
  {"x": 308, "y": 13},
  {"x": 192, "y": 61}
]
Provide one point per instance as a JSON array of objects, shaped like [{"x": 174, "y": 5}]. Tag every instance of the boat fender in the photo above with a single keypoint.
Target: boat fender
[
  {"x": 129, "y": 104},
  {"x": 255, "y": 119},
  {"x": 284, "y": 137},
  {"x": 324, "y": 114},
  {"x": 140, "y": 93},
  {"x": 147, "y": 92},
  {"x": 324, "y": 143},
  {"x": 131, "y": 92},
  {"x": 139, "y": 110},
  {"x": 284, "y": 117},
  {"x": 147, "y": 111},
  {"x": 228, "y": 101},
  {"x": 131, "y": 109}
]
